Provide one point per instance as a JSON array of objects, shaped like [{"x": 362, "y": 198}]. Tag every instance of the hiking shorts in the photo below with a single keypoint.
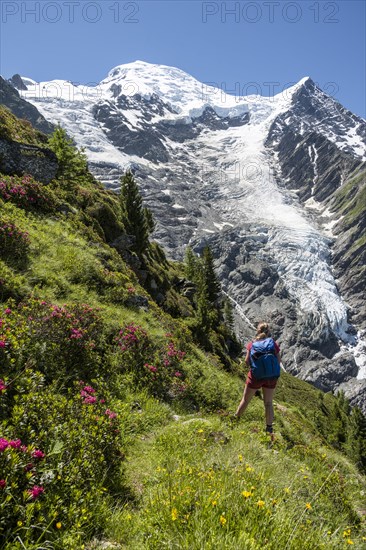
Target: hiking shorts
[{"x": 255, "y": 384}]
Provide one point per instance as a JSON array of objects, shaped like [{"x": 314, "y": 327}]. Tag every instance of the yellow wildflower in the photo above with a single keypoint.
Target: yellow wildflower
[
  {"x": 347, "y": 533},
  {"x": 20, "y": 523},
  {"x": 246, "y": 494},
  {"x": 59, "y": 525},
  {"x": 200, "y": 431},
  {"x": 249, "y": 469},
  {"x": 260, "y": 503},
  {"x": 308, "y": 506},
  {"x": 214, "y": 503},
  {"x": 223, "y": 520},
  {"x": 240, "y": 457},
  {"x": 349, "y": 541},
  {"x": 174, "y": 514}
]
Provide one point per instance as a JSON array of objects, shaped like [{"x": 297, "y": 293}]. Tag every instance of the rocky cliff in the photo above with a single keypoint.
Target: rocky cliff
[{"x": 9, "y": 96}]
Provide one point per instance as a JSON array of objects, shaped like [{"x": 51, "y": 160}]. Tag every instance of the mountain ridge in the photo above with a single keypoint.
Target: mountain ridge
[{"x": 204, "y": 177}]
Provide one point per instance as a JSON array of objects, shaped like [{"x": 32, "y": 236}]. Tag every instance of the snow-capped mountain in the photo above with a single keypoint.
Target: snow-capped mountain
[{"x": 252, "y": 176}]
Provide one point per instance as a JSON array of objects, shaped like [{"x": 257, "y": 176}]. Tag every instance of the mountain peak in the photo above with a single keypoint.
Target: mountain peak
[
  {"x": 17, "y": 82},
  {"x": 306, "y": 80}
]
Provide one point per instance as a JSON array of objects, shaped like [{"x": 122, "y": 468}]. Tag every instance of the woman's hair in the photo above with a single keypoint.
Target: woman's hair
[{"x": 262, "y": 331}]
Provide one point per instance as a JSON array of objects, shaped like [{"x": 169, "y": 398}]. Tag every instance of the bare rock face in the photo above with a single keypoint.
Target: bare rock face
[
  {"x": 355, "y": 390},
  {"x": 18, "y": 158},
  {"x": 17, "y": 82},
  {"x": 9, "y": 96}
]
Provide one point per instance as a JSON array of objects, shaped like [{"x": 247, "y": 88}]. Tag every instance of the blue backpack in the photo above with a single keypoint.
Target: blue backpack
[{"x": 263, "y": 361}]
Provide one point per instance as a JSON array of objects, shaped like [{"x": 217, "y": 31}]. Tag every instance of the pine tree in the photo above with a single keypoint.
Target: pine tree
[
  {"x": 190, "y": 264},
  {"x": 149, "y": 219},
  {"x": 203, "y": 304},
  {"x": 72, "y": 162},
  {"x": 133, "y": 213},
  {"x": 213, "y": 284},
  {"x": 228, "y": 314}
]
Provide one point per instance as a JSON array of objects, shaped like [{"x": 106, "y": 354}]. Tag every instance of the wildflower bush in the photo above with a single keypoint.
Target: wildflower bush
[
  {"x": 157, "y": 366},
  {"x": 59, "y": 340},
  {"x": 14, "y": 243},
  {"x": 115, "y": 287},
  {"x": 55, "y": 472},
  {"x": 26, "y": 193},
  {"x": 12, "y": 284}
]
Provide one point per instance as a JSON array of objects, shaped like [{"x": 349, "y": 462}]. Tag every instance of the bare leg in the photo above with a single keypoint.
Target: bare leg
[
  {"x": 268, "y": 404},
  {"x": 247, "y": 396}
]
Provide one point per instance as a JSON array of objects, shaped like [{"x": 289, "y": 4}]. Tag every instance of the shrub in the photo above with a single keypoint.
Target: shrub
[
  {"x": 12, "y": 285},
  {"x": 156, "y": 367},
  {"x": 107, "y": 219},
  {"x": 53, "y": 469},
  {"x": 14, "y": 243},
  {"x": 26, "y": 193},
  {"x": 59, "y": 340}
]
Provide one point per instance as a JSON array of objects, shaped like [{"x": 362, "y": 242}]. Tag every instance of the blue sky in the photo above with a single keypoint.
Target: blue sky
[{"x": 242, "y": 47}]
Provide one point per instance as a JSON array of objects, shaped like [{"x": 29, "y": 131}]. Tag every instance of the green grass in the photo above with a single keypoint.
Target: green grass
[
  {"x": 350, "y": 199},
  {"x": 199, "y": 483},
  {"x": 19, "y": 130}
]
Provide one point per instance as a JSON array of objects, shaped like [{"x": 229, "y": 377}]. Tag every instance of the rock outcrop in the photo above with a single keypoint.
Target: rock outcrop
[
  {"x": 19, "y": 158},
  {"x": 9, "y": 96}
]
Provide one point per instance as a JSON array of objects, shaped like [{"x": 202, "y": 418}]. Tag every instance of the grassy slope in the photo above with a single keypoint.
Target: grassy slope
[
  {"x": 196, "y": 480},
  {"x": 22, "y": 131},
  {"x": 200, "y": 483},
  {"x": 350, "y": 203}
]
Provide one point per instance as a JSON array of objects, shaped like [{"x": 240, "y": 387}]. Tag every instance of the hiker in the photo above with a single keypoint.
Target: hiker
[{"x": 263, "y": 358}]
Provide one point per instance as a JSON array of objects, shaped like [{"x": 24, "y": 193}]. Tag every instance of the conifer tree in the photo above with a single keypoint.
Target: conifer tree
[
  {"x": 213, "y": 284},
  {"x": 72, "y": 162},
  {"x": 190, "y": 264},
  {"x": 203, "y": 305},
  {"x": 149, "y": 219},
  {"x": 133, "y": 213},
  {"x": 228, "y": 314}
]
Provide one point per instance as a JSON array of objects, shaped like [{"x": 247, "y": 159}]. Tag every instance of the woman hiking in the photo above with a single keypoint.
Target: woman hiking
[{"x": 263, "y": 358}]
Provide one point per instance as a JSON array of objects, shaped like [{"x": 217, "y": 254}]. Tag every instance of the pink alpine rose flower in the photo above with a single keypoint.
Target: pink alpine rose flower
[
  {"x": 36, "y": 491},
  {"x": 37, "y": 453},
  {"x": 15, "y": 443}
]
